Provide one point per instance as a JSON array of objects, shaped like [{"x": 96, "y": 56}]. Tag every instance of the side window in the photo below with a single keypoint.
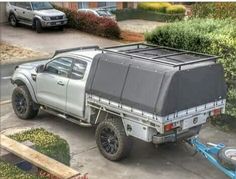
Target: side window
[
  {"x": 23, "y": 5},
  {"x": 78, "y": 69},
  {"x": 60, "y": 66},
  {"x": 12, "y": 3}
]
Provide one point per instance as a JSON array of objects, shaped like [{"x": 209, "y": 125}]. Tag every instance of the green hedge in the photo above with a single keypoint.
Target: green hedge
[
  {"x": 46, "y": 143},
  {"x": 154, "y": 6},
  {"x": 217, "y": 37},
  {"x": 8, "y": 171},
  {"x": 126, "y": 14},
  {"x": 162, "y": 7},
  {"x": 217, "y": 10},
  {"x": 176, "y": 9}
]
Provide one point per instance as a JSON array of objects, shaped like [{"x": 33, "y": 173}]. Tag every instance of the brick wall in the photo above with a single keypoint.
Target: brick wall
[{"x": 93, "y": 5}]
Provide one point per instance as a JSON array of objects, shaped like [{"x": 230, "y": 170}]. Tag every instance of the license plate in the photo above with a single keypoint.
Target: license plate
[
  {"x": 58, "y": 23},
  {"x": 194, "y": 121}
]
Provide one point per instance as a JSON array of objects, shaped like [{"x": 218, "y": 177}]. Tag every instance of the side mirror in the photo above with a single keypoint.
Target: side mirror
[{"x": 40, "y": 68}]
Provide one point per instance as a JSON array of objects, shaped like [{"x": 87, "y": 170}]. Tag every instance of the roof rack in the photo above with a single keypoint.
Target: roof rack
[
  {"x": 160, "y": 54},
  {"x": 74, "y": 49}
]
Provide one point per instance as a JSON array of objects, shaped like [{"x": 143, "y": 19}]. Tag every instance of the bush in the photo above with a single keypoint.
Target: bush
[
  {"x": 154, "y": 6},
  {"x": 216, "y": 37},
  {"x": 175, "y": 9},
  {"x": 91, "y": 23},
  {"x": 71, "y": 16},
  {"x": 102, "y": 26},
  {"x": 46, "y": 143},
  {"x": 8, "y": 171},
  {"x": 218, "y": 10},
  {"x": 162, "y": 7},
  {"x": 125, "y": 14}
]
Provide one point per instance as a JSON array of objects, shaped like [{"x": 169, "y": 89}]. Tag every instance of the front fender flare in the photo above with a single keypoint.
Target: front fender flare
[{"x": 22, "y": 79}]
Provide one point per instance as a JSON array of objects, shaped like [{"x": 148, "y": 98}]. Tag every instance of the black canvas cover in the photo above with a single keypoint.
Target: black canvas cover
[{"x": 153, "y": 87}]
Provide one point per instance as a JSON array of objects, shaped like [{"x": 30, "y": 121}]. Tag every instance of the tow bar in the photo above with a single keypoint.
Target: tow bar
[{"x": 222, "y": 157}]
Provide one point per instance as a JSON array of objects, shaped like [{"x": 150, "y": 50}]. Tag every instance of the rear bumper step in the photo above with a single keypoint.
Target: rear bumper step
[{"x": 174, "y": 137}]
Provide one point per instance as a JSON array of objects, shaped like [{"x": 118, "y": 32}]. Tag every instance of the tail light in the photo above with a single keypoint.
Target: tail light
[
  {"x": 168, "y": 127},
  {"x": 216, "y": 112}
]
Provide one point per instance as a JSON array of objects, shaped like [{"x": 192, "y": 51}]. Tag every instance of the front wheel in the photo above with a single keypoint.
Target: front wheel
[
  {"x": 22, "y": 103},
  {"x": 112, "y": 140},
  {"x": 13, "y": 20},
  {"x": 38, "y": 26},
  {"x": 61, "y": 28}
]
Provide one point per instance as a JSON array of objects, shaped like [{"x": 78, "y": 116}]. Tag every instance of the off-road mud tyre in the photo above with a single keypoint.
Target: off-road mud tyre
[
  {"x": 12, "y": 20},
  {"x": 123, "y": 143},
  {"x": 22, "y": 103},
  {"x": 225, "y": 159},
  {"x": 38, "y": 26}
]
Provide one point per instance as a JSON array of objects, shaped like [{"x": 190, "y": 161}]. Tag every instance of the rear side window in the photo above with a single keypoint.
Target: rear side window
[
  {"x": 78, "y": 69},
  {"x": 23, "y": 4},
  {"x": 60, "y": 66},
  {"x": 12, "y": 3}
]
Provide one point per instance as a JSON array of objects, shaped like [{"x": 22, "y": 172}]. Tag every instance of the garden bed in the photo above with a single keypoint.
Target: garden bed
[
  {"x": 8, "y": 171},
  {"x": 10, "y": 53},
  {"x": 46, "y": 143}
]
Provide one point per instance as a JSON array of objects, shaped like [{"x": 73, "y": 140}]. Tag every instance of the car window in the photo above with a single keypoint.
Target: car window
[
  {"x": 60, "y": 66},
  {"x": 13, "y": 3},
  {"x": 103, "y": 13},
  {"x": 23, "y": 4},
  {"x": 41, "y": 5},
  {"x": 78, "y": 69}
]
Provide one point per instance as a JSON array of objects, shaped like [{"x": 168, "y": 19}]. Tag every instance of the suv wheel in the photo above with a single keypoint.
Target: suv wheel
[
  {"x": 13, "y": 20},
  {"x": 61, "y": 28},
  {"x": 38, "y": 26},
  {"x": 112, "y": 140},
  {"x": 22, "y": 103}
]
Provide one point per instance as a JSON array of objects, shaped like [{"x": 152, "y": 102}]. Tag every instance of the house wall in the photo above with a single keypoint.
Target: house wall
[
  {"x": 92, "y": 5},
  {"x": 3, "y": 17}
]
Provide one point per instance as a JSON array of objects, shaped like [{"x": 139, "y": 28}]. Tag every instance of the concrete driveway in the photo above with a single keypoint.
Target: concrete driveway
[
  {"x": 51, "y": 39},
  {"x": 145, "y": 161},
  {"x": 139, "y": 26}
]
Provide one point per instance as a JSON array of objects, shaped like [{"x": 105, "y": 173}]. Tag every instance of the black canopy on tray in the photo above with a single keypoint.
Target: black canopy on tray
[{"x": 158, "y": 80}]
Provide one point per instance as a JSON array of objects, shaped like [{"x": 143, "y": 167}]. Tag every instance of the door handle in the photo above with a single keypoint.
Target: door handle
[
  {"x": 60, "y": 83},
  {"x": 23, "y": 12}
]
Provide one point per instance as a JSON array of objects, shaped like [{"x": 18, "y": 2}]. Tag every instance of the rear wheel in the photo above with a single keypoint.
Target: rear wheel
[
  {"x": 112, "y": 140},
  {"x": 22, "y": 103},
  {"x": 13, "y": 20},
  {"x": 227, "y": 157},
  {"x": 38, "y": 26}
]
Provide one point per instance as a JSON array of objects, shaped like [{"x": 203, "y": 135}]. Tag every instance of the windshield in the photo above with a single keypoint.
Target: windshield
[
  {"x": 41, "y": 5},
  {"x": 103, "y": 13}
]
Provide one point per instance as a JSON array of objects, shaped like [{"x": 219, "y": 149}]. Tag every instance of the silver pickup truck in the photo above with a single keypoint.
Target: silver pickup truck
[{"x": 153, "y": 93}]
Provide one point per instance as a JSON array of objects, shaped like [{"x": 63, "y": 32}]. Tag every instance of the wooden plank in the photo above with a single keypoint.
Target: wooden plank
[{"x": 40, "y": 160}]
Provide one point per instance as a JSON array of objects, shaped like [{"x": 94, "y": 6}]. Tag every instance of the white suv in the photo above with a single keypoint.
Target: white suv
[{"x": 36, "y": 14}]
